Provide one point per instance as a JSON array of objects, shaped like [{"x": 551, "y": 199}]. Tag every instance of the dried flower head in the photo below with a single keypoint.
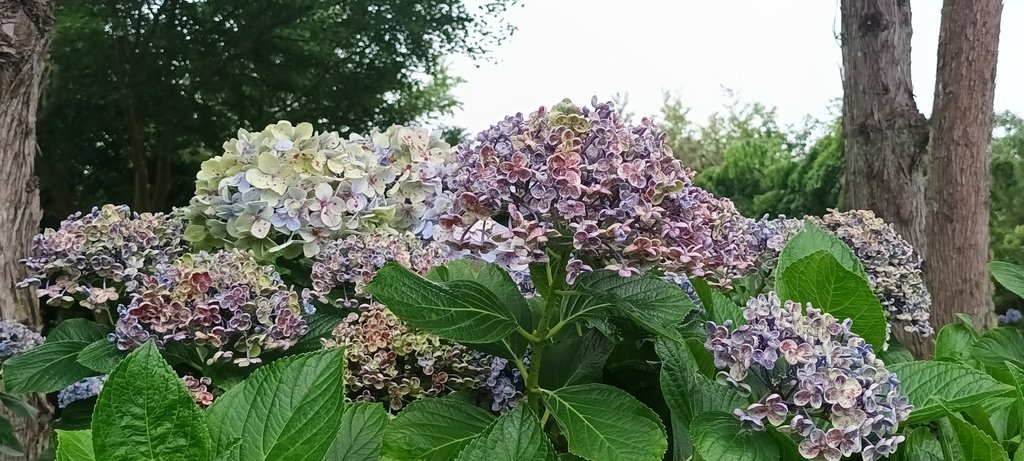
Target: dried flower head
[
  {"x": 97, "y": 257},
  {"x": 16, "y": 338},
  {"x": 288, "y": 185},
  {"x": 224, "y": 301},
  {"x": 812, "y": 377},
  {"x": 581, "y": 175},
  {"x": 892, "y": 266}
]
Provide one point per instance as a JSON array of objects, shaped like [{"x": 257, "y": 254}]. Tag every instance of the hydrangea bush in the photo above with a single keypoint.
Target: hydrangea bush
[
  {"x": 811, "y": 377},
  {"x": 892, "y": 265},
  {"x": 386, "y": 296},
  {"x": 289, "y": 185}
]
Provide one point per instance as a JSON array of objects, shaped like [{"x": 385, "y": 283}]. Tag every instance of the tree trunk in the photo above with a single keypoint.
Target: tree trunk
[
  {"x": 885, "y": 137},
  {"x": 958, "y": 172},
  {"x": 26, "y": 27}
]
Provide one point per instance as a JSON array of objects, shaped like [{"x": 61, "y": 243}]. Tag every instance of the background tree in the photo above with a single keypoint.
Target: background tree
[
  {"x": 145, "y": 89},
  {"x": 887, "y": 139},
  {"x": 959, "y": 178},
  {"x": 26, "y": 27},
  {"x": 1006, "y": 223}
]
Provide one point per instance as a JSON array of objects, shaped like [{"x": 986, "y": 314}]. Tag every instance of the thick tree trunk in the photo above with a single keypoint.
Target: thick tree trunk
[
  {"x": 958, "y": 172},
  {"x": 885, "y": 137},
  {"x": 26, "y": 27}
]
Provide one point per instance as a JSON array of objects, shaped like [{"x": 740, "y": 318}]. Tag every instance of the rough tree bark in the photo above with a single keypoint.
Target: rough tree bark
[
  {"x": 958, "y": 171},
  {"x": 26, "y": 27},
  {"x": 885, "y": 137}
]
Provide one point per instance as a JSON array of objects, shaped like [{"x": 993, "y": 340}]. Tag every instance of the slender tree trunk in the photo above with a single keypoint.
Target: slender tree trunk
[
  {"x": 958, "y": 172},
  {"x": 26, "y": 27},
  {"x": 885, "y": 137}
]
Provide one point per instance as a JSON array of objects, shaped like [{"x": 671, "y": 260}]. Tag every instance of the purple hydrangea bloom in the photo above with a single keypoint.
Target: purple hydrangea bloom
[
  {"x": 16, "y": 338},
  {"x": 95, "y": 258},
  {"x": 224, "y": 301},
  {"x": 582, "y": 175},
  {"x": 1011, "y": 317},
  {"x": 812, "y": 377},
  {"x": 81, "y": 390}
]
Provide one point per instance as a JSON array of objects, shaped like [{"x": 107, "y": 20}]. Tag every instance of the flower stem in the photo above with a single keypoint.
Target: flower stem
[{"x": 540, "y": 339}]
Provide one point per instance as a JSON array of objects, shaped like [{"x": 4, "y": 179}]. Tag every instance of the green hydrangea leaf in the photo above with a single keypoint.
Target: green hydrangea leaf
[
  {"x": 361, "y": 433},
  {"x": 288, "y": 410},
  {"x": 1010, "y": 276},
  {"x": 459, "y": 310},
  {"x": 145, "y": 413},
  {"x": 820, "y": 279},
  {"x": 195, "y": 233},
  {"x": 74, "y": 446},
  {"x": 718, "y": 306},
  {"x": 47, "y": 368},
  {"x": 932, "y": 384},
  {"x": 921, "y": 445},
  {"x": 77, "y": 330},
  {"x": 718, "y": 436},
  {"x": 996, "y": 347},
  {"x": 434, "y": 429},
  {"x": 515, "y": 436},
  {"x": 101, "y": 356},
  {"x": 688, "y": 392},
  {"x": 814, "y": 239},
  {"x": 956, "y": 341},
  {"x": 606, "y": 423},
  {"x": 962, "y": 441},
  {"x": 654, "y": 304},
  {"x": 575, "y": 360}
]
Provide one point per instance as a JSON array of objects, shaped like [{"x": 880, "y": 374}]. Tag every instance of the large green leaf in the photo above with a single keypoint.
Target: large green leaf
[
  {"x": 288, "y": 410},
  {"x": 144, "y": 413},
  {"x": 74, "y": 446},
  {"x": 77, "y": 330},
  {"x": 1010, "y": 276},
  {"x": 575, "y": 360},
  {"x": 434, "y": 430},
  {"x": 515, "y": 436},
  {"x": 932, "y": 384},
  {"x": 921, "y": 445},
  {"x": 962, "y": 441},
  {"x": 495, "y": 279},
  {"x": 814, "y": 239},
  {"x": 459, "y": 310},
  {"x": 361, "y": 433},
  {"x": 18, "y": 406},
  {"x": 605, "y": 423},
  {"x": 101, "y": 356},
  {"x": 9, "y": 444},
  {"x": 999, "y": 346},
  {"x": 47, "y": 368},
  {"x": 718, "y": 436},
  {"x": 956, "y": 341},
  {"x": 687, "y": 391},
  {"x": 819, "y": 279},
  {"x": 654, "y": 304}
]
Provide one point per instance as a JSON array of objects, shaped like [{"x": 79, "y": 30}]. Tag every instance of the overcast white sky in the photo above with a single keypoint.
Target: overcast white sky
[{"x": 782, "y": 53}]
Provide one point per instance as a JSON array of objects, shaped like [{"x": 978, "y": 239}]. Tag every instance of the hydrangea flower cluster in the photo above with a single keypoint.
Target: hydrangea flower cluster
[
  {"x": 200, "y": 389},
  {"x": 503, "y": 382},
  {"x": 224, "y": 301},
  {"x": 16, "y": 338},
  {"x": 290, "y": 185},
  {"x": 92, "y": 257},
  {"x": 388, "y": 361},
  {"x": 892, "y": 266},
  {"x": 81, "y": 390},
  {"x": 1011, "y": 317},
  {"x": 346, "y": 265},
  {"x": 812, "y": 377},
  {"x": 580, "y": 174}
]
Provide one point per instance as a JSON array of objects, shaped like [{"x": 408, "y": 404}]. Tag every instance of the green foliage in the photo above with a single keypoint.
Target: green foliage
[
  {"x": 962, "y": 441},
  {"x": 47, "y": 368},
  {"x": 652, "y": 303},
  {"x": 514, "y": 436},
  {"x": 74, "y": 446},
  {"x": 145, "y": 414},
  {"x": 434, "y": 430},
  {"x": 606, "y": 423},
  {"x": 300, "y": 427},
  {"x": 718, "y": 436},
  {"x": 935, "y": 386},
  {"x": 361, "y": 433},
  {"x": 171, "y": 79}
]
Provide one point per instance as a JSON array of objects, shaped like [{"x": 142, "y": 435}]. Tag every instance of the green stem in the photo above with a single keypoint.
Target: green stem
[{"x": 540, "y": 340}]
